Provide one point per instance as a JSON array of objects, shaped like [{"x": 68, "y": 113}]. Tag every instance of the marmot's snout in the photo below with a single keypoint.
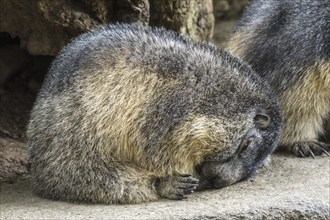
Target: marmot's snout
[{"x": 243, "y": 162}]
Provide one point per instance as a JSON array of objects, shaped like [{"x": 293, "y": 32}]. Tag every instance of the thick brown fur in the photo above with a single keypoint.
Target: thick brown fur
[
  {"x": 126, "y": 113},
  {"x": 288, "y": 43}
]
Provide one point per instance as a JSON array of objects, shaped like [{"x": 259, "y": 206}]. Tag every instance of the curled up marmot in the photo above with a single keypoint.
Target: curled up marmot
[
  {"x": 287, "y": 42},
  {"x": 126, "y": 114}
]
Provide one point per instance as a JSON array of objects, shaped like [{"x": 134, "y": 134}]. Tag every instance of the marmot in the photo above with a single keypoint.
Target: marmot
[
  {"x": 127, "y": 112},
  {"x": 287, "y": 42}
]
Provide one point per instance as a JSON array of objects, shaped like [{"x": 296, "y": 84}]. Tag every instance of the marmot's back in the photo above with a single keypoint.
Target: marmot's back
[{"x": 126, "y": 112}]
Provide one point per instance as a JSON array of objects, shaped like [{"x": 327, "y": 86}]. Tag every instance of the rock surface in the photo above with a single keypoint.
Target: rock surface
[
  {"x": 45, "y": 26},
  {"x": 292, "y": 188},
  {"x": 190, "y": 17}
]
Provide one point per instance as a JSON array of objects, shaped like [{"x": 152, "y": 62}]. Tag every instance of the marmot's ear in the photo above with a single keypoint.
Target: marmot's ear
[{"x": 262, "y": 120}]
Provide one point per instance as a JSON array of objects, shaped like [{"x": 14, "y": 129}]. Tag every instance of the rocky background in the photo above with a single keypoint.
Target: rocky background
[
  {"x": 43, "y": 27},
  {"x": 32, "y": 32}
]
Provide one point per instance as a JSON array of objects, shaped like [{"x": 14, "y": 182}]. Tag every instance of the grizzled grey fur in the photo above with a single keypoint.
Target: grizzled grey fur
[
  {"x": 128, "y": 114},
  {"x": 287, "y": 42}
]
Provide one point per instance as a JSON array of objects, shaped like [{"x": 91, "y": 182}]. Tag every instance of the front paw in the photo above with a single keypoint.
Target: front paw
[
  {"x": 310, "y": 148},
  {"x": 176, "y": 187}
]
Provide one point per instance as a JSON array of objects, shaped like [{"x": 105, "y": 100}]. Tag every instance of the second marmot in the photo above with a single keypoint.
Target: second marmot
[{"x": 288, "y": 43}]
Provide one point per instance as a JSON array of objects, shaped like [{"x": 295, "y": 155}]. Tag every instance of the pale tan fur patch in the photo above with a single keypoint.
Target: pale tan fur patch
[
  {"x": 306, "y": 105},
  {"x": 114, "y": 102},
  {"x": 199, "y": 136}
]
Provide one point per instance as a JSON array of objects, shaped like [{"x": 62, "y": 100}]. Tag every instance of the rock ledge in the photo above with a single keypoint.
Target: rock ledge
[{"x": 293, "y": 188}]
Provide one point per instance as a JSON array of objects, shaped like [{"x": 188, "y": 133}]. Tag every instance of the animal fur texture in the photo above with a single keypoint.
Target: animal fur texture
[
  {"x": 127, "y": 113},
  {"x": 287, "y": 42}
]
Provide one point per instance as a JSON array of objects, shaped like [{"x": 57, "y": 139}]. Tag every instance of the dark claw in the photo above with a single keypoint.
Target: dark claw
[
  {"x": 325, "y": 151},
  {"x": 189, "y": 190},
  {"x": 190, "y": 187},
  {"x": 301, "y": 153},
  {"x": 189, "y": 179},
  {"x": 180, "y": 197}
]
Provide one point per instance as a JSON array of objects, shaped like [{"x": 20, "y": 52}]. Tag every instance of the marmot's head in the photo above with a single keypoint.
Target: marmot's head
[
  {"x": 251, "y": 128},
  {"x": 242, "y": 156},
  {"x": 214, "y": 108},
  {"x": 243, "y": 118},
  {"x": 237, "y": 143}
]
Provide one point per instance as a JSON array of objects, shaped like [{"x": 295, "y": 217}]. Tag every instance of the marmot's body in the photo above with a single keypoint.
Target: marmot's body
[
  {"x": 126, "y": 112},
  {"x": 287, "y": 42}
]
